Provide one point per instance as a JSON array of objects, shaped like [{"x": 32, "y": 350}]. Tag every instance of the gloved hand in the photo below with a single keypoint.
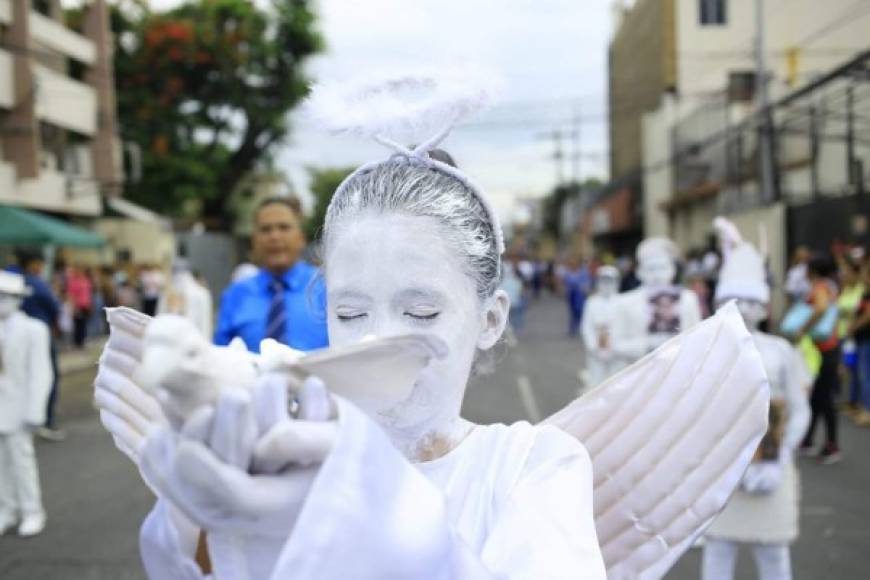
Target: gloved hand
[
  {"x": 242, "y": 470},
  {"x": 763, "y": 477}
]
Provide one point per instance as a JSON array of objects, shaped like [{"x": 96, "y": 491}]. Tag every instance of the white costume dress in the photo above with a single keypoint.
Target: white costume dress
[
  {"x": 600, "y": 316},
  {"x": 508, "y": 502},
  {"x": 772, "y": 518},
  {"x": 25, "y": 382}
]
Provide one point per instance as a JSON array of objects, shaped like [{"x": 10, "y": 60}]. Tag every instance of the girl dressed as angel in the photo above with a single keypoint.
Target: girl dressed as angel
[{"x": 359, "y": 489}]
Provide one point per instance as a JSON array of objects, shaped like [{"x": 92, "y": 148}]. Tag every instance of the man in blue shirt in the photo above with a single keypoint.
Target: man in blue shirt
[
  {"x": 42, "y": 305},
  {"x": 286, "y": 300}
]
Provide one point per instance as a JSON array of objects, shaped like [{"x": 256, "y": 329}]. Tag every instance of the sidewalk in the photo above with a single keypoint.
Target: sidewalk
[{"x": 72, "y": 360}]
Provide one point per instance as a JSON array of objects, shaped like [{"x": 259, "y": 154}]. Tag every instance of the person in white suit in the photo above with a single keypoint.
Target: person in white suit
[
  {"x": 25, "y": 383},
  {"x": 763, "y": 512},
  {"x": 657, "y": 309},
  {"x": 188, "y": 298},
  {"x": 602, "y": 361}
]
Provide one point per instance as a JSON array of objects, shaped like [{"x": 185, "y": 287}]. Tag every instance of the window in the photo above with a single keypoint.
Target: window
[{"x": 713, "y": 12}]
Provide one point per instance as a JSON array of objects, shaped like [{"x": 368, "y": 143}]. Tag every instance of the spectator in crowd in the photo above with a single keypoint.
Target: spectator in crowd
[
  {"x": 851, "y": 291},
  {"x": 859, "y": 331},
  {"x": 80, "y": 293},
  {"x": 151, "y": 281},
  {"x": 25, "y": 383},
  {"x": 42, "y": 305},
  {"x": 822, "y": 295},
  {"x": 286, "y": 300},
  {"x": 576, "y": 284},
  {"x": 797, "y": 283},
  {"x": 628, "y": 271}
]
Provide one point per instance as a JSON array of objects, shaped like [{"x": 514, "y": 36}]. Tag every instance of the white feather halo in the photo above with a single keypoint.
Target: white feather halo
[{"x": 407, "y": 107}]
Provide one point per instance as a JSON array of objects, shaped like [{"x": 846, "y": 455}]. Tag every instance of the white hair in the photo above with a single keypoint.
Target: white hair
[{"x": 404, "y": 186}]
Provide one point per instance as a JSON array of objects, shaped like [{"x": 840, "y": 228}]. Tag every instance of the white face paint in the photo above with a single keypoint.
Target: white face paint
[
  {"x": 656, "y": 270},
  {"x": 389, "y": 275},
  {"x": 607, "y": 286},
  {"x": 8, "y": 305},
  {"x": 753, "y": 312}
]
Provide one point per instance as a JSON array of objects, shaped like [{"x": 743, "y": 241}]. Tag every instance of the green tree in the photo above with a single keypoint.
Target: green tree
[
  {"x": 205, "y": 89},
  {"x": 324, "y": 182}
]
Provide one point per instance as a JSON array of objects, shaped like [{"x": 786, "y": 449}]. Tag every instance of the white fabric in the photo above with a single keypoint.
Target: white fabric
[
  {"x": 720, "y": 556},
  {"x": 664, "y": 467},
  {"x": 19, "y": 478},
  {"x": 670, "y": 438},
  {"x": 631, "y": 336},
  {"x": 599, "y": 317},
  {"x": 188, "y": 298},
  {"x": 743, "y": 274},
  {"x": 773, "y": 516},
  {"x": 26, "y": 375},
  {"x": 371, "y": 514}
]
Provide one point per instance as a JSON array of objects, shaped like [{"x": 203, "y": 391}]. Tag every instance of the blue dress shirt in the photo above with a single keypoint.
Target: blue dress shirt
[
  {"x": 41, "y": 304},
  {"x": 245, "y": 307}
]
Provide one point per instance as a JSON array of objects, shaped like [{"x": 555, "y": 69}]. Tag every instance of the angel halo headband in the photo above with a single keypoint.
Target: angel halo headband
[{"x": 418, "y": 107}]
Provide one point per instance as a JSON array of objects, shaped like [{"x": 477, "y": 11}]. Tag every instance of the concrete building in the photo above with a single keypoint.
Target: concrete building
[
  {"x": 59, "y": 146},
  {"x": 700, "y": 145}
]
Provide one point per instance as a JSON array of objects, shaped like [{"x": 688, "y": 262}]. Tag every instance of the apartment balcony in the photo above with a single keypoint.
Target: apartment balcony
[
  {"x": 7, "y": 92},
  {"x": 52, "y": 35},
  {"x": 65, "y": 102}
]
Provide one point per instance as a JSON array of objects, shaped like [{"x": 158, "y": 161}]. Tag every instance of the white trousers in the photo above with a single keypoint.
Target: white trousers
[
  {"x": 720, "y": 556},
  {"x": 19, "y": 475},
  {"x": 599, "y": 370}
]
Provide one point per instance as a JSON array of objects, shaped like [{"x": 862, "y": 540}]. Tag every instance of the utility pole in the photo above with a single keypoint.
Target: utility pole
[
  {"x": 575, "y": 145},
  {"x": 558, "y": 155},
  {"x": 765, "y": 129}
]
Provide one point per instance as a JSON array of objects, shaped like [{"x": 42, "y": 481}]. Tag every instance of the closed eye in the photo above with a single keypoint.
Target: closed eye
[
  {"x": 348, "y": 317},
  {"x": 432, "y": 316}
]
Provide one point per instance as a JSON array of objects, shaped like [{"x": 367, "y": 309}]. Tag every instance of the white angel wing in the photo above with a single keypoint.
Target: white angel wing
[
  {"x": 127, "y": 410},
  {"x": 669, "y": 439}
]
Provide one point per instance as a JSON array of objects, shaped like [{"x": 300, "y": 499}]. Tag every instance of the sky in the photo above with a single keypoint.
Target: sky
[{"x": 550, "y": 55}]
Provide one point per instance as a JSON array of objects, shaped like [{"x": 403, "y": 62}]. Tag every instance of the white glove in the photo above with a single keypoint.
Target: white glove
[
  {"x": 245, "y": 491},
  {"x": 127, "y": 411},
  {"x": 763, "y": 477}
]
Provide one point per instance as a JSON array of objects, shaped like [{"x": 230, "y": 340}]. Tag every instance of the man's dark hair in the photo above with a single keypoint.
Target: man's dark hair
[
  {"x": 821, "y": 265},
  {"x": 27, "y": 256},
  {"x": 291, "y": 202}
]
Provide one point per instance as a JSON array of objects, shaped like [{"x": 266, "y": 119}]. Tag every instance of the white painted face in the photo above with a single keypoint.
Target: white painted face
[
  {"x": 753, "y": 312},
  {"x": 393, "y": 274},
  {"x": 656, "y": 270},
  {"x": 607, "y": 286},
  {"x": 8, "y": 305}
]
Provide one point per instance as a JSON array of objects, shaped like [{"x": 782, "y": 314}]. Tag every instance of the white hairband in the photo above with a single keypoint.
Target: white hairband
[{"x": 417, "y": 107}]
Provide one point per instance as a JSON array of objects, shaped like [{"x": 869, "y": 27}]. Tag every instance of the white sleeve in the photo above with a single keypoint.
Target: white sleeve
[
  {"x": 40, "y": 372},
  {"x": 373, "y": 515},
  {"x": 587, "y": 325},
  {"x": 167, "y": 544},
  {"x": 795, "y": 381},
  {"x": 547, "y": 529}
]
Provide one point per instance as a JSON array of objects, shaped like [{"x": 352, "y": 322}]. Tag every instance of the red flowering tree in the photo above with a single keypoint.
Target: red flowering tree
[{"x": 205, "y": 89}]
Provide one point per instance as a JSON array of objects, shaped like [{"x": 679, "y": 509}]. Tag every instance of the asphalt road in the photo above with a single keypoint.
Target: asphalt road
[{"x": 96, "y": 501}]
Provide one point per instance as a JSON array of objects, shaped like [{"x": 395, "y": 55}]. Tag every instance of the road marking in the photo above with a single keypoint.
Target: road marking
[{"x": 524, "y": 386}]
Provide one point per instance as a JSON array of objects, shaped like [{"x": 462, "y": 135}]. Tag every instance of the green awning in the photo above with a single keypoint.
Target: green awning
[{"x": 24, "y": 227}]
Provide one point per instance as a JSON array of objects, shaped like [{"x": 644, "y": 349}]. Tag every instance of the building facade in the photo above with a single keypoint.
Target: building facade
[{"x": 59, "y": 146}]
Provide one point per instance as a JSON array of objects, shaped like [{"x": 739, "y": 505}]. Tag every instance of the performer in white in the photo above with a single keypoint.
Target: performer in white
[
  {"x": 188, "y": 298},
  {"x": 763, "y": 513},
  {"x": 601, "y": 313},
  {"x": 657, "y": 309},
  {"x": 364, "y": 488},
  {"x": 25, "y": 382}
]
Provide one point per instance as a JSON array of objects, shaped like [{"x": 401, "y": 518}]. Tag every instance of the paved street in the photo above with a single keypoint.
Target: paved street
[{"x": 96, "y": 501}]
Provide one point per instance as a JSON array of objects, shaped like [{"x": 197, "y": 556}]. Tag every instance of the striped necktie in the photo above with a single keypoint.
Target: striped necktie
[{"x": 276, "y": 323}]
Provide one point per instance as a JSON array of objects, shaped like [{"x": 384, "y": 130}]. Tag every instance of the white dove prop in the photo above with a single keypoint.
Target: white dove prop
[
  {"x": 669, "y": 437},
  {"x": 183, "y": 371}
]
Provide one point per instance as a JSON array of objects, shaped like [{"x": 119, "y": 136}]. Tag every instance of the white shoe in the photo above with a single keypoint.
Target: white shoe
[
  {"x": 6, "y": 523},
  {"x": 31, "y": 525}
]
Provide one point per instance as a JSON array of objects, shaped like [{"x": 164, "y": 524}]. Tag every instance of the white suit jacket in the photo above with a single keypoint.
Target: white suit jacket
[{"x": 27, "y": 374}]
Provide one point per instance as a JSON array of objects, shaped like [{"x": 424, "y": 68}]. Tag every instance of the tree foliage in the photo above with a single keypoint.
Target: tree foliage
[
  {"x": 324, "y": 182},
  {"x": 205, "y": 89}
]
